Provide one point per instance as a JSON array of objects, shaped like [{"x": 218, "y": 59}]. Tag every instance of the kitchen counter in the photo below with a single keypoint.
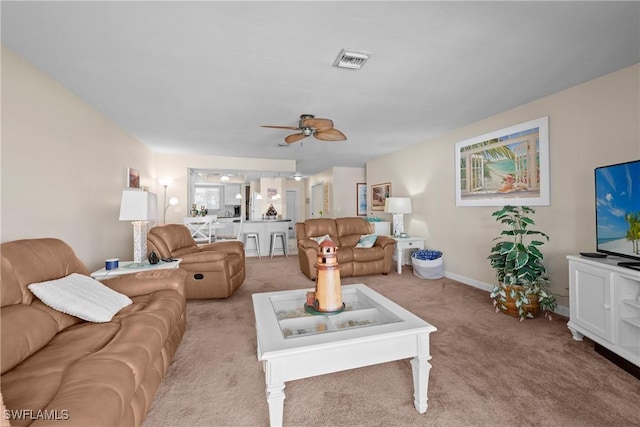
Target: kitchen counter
[
  {"x": 264, "y": 228},
  {"x": 267, "y": 220}
]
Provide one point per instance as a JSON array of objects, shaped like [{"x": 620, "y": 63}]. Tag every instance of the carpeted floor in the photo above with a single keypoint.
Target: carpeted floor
[{"x": 488, "y": 369}]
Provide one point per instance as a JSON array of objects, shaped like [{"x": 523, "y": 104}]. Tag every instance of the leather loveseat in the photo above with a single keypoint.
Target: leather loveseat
[
  {"x": 214, "y": 270},
  {"x": 60, "y": 370},
  {"x": 345, "y": 234}
]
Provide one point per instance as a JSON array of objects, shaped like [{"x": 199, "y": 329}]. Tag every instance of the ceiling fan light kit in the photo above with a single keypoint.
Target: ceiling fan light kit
[{"x": 308, "y": 125}]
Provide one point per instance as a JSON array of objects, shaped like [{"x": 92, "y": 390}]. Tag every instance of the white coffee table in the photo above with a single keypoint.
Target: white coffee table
[{"x": 293, "y": 344}]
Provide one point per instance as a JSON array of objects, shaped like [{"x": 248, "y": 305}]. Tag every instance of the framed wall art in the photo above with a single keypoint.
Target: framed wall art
[
  {"x": 379, "y": 193},
  {"x": 361, "y": 199},
  {"x": 506, "y": 167},
  {"x": 133, "y": 178}
]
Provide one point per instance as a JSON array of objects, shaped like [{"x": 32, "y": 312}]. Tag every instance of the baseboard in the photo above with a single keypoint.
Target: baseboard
[
  {"x": 468, "y": 281},
  {"x": 560, "y": 309},
  {"x": 619, "y": 361}
]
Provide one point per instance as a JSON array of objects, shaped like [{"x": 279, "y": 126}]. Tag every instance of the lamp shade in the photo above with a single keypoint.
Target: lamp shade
[
  {"x": 138, "y": 206},
  {"x": 397, "y": 205}
]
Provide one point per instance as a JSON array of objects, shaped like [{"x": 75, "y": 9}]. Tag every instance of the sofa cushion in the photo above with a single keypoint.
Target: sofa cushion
[
  {"x": 25, "y": 330},
  {"x": 368, "y": 254},
  {"x": 172, "y": 240},
  {"x": 81, "y": 296},
  {"x": 319, "y": 227},
  {"x": 344, "y": 255},
  {"x": 349, "y": 226},
  {"x": 31, "y": 261}
]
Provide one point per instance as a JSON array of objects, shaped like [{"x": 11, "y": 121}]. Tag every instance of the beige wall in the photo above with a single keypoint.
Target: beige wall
[
  {"x": 344, "y": 190},
  {"x": 64, "y": 166},
  {"x": 593, "y": 124},
  {"x": 340, "y": 183}
]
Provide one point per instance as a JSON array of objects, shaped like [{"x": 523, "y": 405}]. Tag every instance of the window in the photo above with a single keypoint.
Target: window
[{"x": 209, "y": 196}]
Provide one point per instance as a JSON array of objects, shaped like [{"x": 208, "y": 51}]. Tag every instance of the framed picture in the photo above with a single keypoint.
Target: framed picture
[
  {"x": 506, "y": 167},
  {"x": 133, "y": 178},
  {"x": 361, "y": 199},
  {"x": 379, "y": 193}
]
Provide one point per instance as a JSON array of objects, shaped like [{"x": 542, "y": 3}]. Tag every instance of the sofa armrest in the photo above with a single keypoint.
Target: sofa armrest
[
  {"x": 384, "y": 241},
  {"x": 229, "y": 246},
  {"x": 204, "y": 256},
  {"x": 308, "y": 244},
  {"x": 147, "y": 282}
]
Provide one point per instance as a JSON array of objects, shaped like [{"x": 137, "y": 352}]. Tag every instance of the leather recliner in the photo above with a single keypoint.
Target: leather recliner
[{"x": 214, "y": 270}]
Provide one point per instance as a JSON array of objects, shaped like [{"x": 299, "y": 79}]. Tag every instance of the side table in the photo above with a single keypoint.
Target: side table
[
  {"x": 403, "y": 243},
  {"x": 127, "y": 267}
]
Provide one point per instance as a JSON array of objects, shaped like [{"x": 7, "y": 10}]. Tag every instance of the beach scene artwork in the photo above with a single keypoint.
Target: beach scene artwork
[
  {"x": 509, "y": 166},
  {"x": 618, "y": 208}
]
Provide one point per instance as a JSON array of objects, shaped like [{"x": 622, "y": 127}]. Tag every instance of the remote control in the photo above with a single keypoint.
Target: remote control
[
  {"x": 593, "y": 254},
  {"x": 632, "y": 265}
]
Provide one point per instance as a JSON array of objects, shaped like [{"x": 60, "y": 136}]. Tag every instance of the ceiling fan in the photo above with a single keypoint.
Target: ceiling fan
[{"x": 321, "y": 129}]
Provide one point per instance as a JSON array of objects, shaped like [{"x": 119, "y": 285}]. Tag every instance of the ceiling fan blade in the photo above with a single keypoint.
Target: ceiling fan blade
[
  {"x": 318, "y": 124},
  {"x": 294, "y": 138},
  {"x": 330, "y": 135},
  {"x": 281, "y": 127}
]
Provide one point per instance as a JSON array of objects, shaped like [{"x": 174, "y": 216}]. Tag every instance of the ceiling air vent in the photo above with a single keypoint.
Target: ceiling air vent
[{"x": 351, "y": 59}]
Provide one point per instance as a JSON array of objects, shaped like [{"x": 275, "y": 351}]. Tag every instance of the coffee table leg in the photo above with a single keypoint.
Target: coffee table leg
[
  {"x": 420, "y": 366},
  {"x": 275, "y": 393}
]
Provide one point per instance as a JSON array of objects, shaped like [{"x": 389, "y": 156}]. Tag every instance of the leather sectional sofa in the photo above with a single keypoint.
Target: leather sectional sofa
[
  {"x": 60, "y": 370},
  {"x": 345, "y": 234}
]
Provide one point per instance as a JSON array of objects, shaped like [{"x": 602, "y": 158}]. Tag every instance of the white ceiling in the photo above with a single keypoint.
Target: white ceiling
[{"x": 202, "y": 77}]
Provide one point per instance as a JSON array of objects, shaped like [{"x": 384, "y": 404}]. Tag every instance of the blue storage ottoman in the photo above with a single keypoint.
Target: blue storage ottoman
[{"x": 427, "y": 264}]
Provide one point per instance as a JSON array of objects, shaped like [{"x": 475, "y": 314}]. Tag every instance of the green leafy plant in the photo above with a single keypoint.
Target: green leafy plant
[{"x": 517, "y": 260}]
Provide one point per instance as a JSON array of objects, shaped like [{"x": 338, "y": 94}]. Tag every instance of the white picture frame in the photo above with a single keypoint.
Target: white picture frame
[{"x": 509, "y": 166}]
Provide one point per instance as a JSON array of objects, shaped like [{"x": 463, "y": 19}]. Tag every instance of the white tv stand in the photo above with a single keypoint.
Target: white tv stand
[{"x": 604, "y": 301}]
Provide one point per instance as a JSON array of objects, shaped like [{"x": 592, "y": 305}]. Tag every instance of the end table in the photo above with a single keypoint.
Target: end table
[
  {"x": 403, "y": 243},
  {"x": 127, "y": 267}
]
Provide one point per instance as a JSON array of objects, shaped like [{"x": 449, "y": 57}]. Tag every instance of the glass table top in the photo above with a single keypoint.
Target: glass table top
[{"x": 360, "y": 311}]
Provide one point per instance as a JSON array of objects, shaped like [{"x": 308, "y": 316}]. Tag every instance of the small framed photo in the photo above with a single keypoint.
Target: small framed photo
[
  {"x": 361, "y": 198},
  {"x": 133, "y": 178},
  {"x": 379, "y": 194}
]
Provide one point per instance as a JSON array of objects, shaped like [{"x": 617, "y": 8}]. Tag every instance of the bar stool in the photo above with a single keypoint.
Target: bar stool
[
  {"x": 254, "y": 236},
  {"x": 274, "y": 237}
]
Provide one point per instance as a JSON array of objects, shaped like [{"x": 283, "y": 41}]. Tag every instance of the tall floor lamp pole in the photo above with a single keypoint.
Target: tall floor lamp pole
[{"x": 165, "y": 183}]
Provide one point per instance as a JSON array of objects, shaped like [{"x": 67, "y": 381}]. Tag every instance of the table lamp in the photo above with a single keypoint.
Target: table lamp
[
  {"x": 397, "y": 206},
  {"x": 138, "y": 207}
]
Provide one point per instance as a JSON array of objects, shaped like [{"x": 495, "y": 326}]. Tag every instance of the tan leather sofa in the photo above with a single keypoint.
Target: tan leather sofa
[
  {"x": 214, "y": 270},
  {"x": 60, "y": 370},
  {"x": 345, "y": 234}
]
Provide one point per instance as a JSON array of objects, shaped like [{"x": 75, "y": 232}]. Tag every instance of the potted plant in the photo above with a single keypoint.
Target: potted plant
[{"x": 523, "y": 284}]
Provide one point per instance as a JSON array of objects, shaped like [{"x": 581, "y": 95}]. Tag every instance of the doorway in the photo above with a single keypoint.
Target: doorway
[
  {"x": 292, "y": 209},
  {"x": 317, "y": 197}
]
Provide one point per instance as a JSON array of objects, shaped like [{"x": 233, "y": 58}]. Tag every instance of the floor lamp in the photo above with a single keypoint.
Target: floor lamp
[
  {"x": 397, "y": 206},
  {"x": 165, "y": 182},
  {"x": 138, "y": 207}
]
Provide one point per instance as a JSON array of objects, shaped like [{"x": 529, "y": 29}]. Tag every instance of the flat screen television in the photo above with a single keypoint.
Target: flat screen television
[{"x": 618, "y": 209}]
